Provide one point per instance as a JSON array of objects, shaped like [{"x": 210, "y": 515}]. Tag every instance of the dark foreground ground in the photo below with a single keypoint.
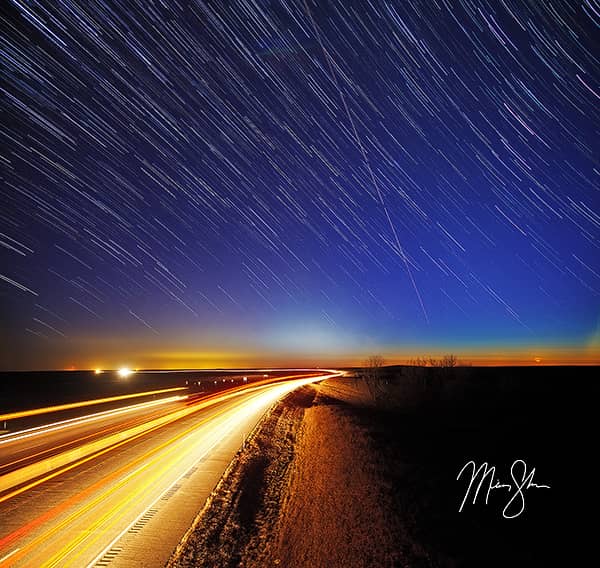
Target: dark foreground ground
[{"x": 363, "y": 472}]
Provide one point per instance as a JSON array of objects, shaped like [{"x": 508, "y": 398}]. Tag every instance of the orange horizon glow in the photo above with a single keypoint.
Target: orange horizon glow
[
  {"x": 475, "y": 361},
  {"x": 186, "y": 349},
  {"x": 509, "y": 355},
  {"x": 113, "y": 360}
]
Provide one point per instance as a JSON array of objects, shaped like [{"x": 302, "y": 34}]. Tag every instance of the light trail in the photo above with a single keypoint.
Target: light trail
[
  {"x": 246, "y": 407},
  {"x": 80, "y": 496},
  {"x": 69, "y": 406},
  {"x": 9, "y": 555},
  {"x": 400, "y": 250},
  {"x": 128, "y": 527},
  {"x": 111, "y": 490},
  {"x": 96, "y": 434},
  {"x": 54, "y": 426},
  {"x": 111, "y": 506},
  {"x": 66, "y": 461},
  {"x": 119, "y": 510}
]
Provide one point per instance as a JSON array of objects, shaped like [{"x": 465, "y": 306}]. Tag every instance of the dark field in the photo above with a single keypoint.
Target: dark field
[
  {"x": 427, "y": 423},
  {"x": 364, "y": 473}
]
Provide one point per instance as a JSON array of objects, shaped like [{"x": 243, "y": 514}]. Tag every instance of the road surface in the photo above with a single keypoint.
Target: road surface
[{"x": 121, "y": 488}]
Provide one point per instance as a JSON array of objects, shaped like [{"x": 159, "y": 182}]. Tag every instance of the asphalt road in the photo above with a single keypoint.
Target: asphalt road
[{"x": 121, "y": 488}]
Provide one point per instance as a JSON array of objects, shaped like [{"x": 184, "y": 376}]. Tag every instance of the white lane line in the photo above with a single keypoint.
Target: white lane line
[
  {"x": 9, "y": 555},
  {"x": 120, "y": 535}
]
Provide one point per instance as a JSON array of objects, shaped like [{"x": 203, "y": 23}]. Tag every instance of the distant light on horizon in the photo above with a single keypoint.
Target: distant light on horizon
[
  {"x": 125, "y": 372},
  {"x": 98, "y": 371}
]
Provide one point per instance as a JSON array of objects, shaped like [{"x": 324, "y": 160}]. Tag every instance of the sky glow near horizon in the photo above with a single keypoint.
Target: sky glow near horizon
[{"x": 183, "y": 182}]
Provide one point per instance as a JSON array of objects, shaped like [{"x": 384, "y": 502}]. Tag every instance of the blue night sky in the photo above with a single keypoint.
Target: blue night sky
[{"x": 254, "y": 182}]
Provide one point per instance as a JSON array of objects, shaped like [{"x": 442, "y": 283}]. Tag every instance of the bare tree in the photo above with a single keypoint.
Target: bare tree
[
  {"x": 372, "y": 373},
  {"x": 372, "y": 366},
  {"x": 448, "y": 361},
  {"x": 442, "y": 368}
]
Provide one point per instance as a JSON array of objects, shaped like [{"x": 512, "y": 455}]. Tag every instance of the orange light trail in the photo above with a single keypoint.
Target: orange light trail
[
  {"x": 36, "y": 411},
  {"x": 76, "y": 498},
  {"x": 79, "y": 497},
  {"x": 64, "y": 462},
  {"x": 54, "y": 426},
  {"x": 105, "y": 431}
]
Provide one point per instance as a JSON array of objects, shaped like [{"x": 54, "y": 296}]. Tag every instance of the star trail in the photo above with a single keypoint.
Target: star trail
[{"x": 190, "y": 184}]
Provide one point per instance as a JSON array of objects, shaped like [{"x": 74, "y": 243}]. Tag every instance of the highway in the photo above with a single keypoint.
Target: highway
[{"x": 121, "y": 487}]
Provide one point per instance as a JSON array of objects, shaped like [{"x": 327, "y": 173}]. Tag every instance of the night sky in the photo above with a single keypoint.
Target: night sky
[{"x": 194, "y": 184}]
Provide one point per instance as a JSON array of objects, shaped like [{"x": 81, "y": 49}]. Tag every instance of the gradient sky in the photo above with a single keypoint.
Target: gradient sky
[{"x": 193, "y": 184}]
